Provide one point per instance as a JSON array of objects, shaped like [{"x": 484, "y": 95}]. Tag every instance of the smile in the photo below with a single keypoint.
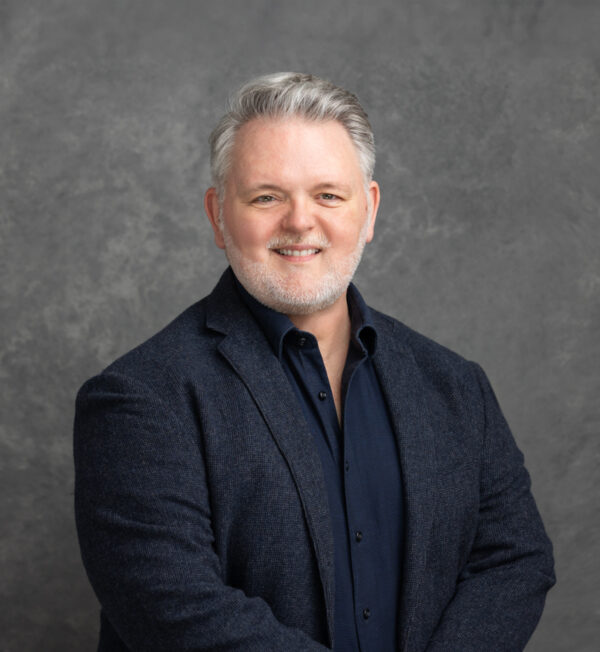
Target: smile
[{"x": 297, "y": 252}]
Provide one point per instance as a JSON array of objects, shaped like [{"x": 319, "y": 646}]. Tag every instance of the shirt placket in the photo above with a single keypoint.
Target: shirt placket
[{"x": 357, "y": 526}]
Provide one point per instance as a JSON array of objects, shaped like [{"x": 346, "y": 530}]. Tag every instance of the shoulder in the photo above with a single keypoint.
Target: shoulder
[
  {"x": 156, "y": 370},
  {"x": 412, "y": 362},
  {"x": 186, "y": 348},
  {"x": 182, "y": 355},
  {"x": 177, "y": 347},
  {"x": 451, "y": 392},
  {"x": 393, "y": 335}
]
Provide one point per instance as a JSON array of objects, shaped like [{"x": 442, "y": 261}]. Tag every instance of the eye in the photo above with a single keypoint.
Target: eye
[
  {"x": 264, "y": 199},
  {"x": 328, "y": 196}
]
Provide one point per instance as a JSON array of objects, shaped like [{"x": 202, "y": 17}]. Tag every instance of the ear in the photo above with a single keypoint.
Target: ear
[
  {"x": 372, "y": 207},
  {"x": 212, "y": 209}
]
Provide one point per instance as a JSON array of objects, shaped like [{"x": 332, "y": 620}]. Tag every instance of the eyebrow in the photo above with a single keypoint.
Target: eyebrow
[
  {"x": 323, "y": 186},
  {"x": 261, "y": 188},
  {"x": 333, "y": 185}
]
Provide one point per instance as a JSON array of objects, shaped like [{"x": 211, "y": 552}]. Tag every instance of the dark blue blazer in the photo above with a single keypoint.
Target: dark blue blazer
[{"x": 202, "y": 511}]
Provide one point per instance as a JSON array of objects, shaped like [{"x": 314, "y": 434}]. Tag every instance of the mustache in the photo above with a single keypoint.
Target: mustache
[{"x": 314, "y": 242}]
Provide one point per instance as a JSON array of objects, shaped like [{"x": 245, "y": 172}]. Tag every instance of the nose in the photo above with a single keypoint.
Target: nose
[{"x": 299, "y": 216}]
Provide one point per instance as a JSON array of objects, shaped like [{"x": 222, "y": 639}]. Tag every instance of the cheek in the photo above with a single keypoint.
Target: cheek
[
  {"x": 248, "y": 233},
  {"x": 256, "y": 234},
  {"x": 350, "y": 231}
]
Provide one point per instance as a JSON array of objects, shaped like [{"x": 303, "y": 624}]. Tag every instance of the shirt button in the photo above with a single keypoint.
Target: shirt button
[
  {"x": 322, "y": 396},
  {"x": 301, "y": 341},
  {"x": 366, "y": 613},
  {"x": 358, "y": 536}
]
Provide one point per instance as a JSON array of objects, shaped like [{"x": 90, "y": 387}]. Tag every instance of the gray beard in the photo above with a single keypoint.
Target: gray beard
[{"x": 279, "y": 292}]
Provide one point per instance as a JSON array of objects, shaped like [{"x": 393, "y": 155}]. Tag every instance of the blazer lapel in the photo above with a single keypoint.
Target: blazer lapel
[
  {"x": 250, "y": 355},
  {"x": 403, "y": 390}
]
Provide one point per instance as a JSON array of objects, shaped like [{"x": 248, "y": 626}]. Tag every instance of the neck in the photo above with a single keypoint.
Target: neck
[{"x": 331, "y": 327}]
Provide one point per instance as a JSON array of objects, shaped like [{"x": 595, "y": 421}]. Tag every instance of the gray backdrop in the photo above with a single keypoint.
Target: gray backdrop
[{"x": 486, "y": 115}]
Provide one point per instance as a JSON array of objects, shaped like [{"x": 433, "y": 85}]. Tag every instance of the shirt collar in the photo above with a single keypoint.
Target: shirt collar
[
  {"x": 361, "y": 321},
  {"x": 275, "y": 325}
]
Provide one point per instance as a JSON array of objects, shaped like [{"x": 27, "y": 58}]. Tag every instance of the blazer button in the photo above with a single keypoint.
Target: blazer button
[
  {"x": 358, "y": 536},
  {"x": 322, "y": 396},
  {"x": 366, "y": 613}
]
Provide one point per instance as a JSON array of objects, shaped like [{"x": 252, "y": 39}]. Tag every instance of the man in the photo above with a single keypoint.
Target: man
[{"x": 282, "y": 468}]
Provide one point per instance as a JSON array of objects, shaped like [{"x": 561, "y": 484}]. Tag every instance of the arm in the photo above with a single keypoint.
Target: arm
[
  {"x": 501, "y": 590},
  {"x": 144, "y": 525}
]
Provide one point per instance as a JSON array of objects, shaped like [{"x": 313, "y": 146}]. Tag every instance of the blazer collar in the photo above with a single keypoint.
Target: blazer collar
[
  {"x": 403, "y": 388},
  {"x": 249, "y": 353}
]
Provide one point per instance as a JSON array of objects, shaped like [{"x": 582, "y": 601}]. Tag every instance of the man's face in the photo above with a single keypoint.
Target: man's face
[{"x": 296, "y": 214}]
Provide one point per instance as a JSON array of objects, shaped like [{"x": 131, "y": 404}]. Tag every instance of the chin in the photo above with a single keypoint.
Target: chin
[{"x": 288, "y": 295}]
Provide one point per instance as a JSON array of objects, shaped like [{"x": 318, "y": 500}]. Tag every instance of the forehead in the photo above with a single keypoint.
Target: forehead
[{"x": 294, "y": 148}]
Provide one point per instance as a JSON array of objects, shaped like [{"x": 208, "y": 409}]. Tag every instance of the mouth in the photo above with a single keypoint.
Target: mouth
[{"x": 297, "y": 253}]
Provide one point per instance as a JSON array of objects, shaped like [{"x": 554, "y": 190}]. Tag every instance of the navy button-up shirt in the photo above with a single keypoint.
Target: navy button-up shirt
[{"x": 361, "y": 469}]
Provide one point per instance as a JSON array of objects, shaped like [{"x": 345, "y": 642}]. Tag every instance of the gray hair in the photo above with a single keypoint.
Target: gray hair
[{"x": 287, "y": 94}]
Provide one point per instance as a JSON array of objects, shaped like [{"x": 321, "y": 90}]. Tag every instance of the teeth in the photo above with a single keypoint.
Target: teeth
[{"x": 297, "y": 252}]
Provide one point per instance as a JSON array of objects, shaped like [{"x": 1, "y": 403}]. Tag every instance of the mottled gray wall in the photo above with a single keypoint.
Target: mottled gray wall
[{"x": 487, "y": 119}]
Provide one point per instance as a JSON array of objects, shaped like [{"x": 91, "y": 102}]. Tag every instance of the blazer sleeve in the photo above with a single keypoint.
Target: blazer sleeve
[
  {"x": 501, "y": 590},
  {"x": 143, "y": 517}
]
